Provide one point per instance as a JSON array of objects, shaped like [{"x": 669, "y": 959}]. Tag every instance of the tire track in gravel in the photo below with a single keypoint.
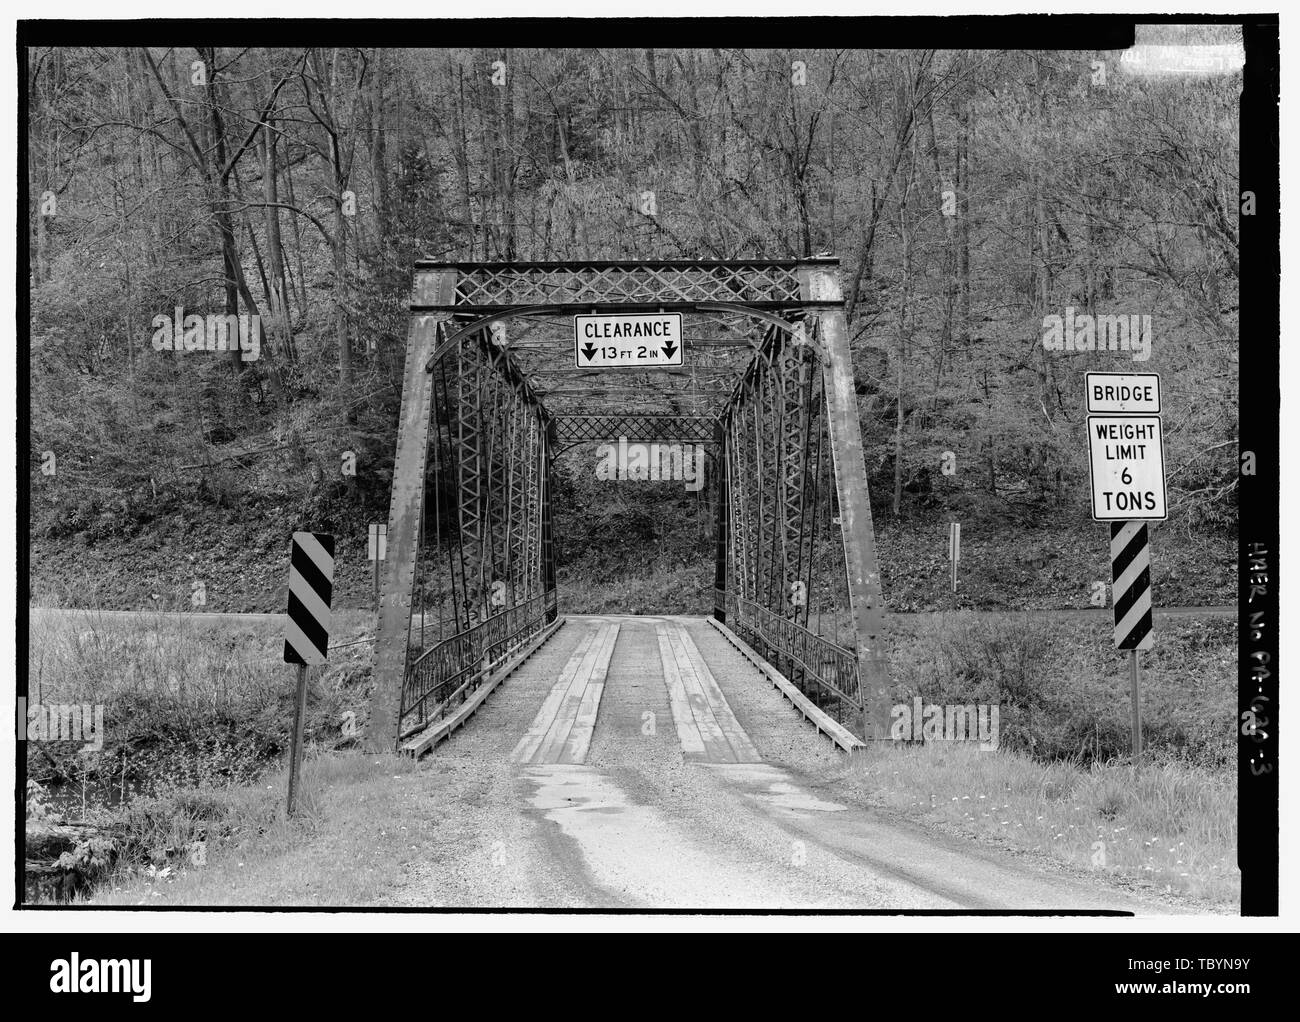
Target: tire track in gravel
[{"x": 494, "y": 854}]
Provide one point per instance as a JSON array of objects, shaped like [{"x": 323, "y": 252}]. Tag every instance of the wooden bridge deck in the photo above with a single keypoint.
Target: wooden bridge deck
[{"x": 651, "y": 667}]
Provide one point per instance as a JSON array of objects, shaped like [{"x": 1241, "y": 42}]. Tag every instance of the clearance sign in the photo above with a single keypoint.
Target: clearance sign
[{"x": 638, "y": 341}]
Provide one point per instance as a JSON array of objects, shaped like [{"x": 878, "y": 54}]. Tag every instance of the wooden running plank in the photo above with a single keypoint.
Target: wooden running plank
[
  {"x": 529, "y": 746},
  {"x": 536, "y": 733},
  {"x": 584, "y": 722},
  {"x": 597, "y": 662},
  {"x": 687, "y": 733},
  {"x": 716, "y": 746},
  {"x": 558, "y": 734},
  {"x": 741, "y": 746},
  {"x": 561, "y": 731},
  {"x": 706, "y": 726}
]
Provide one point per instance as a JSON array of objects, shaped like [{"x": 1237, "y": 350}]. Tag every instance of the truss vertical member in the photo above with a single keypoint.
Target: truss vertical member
[
  {"x": 722, "y": 511},
  {"x": 821, "y": 283},
  {"x": 547, "y": 458}
]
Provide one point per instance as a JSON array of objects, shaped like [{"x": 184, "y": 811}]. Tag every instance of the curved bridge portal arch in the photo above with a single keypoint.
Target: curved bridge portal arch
[{"x": 492, "y": 392}]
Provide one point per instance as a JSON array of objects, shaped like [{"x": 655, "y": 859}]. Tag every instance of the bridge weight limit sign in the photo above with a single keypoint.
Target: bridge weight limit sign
[
  {"x": 1126, "y": 447},
  {"x": 1126, "y": 464}
]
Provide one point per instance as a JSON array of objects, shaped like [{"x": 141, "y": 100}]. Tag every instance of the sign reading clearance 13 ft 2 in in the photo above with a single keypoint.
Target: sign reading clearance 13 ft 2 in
[
  {"x": 637, "y": 340},
  {"x": 1126, "y": 447}
]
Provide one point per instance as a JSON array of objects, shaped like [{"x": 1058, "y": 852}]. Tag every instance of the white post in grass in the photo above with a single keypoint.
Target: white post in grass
[{"x": 954, "y": 549}]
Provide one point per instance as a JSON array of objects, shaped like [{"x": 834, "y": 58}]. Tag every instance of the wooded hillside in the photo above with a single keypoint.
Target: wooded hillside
[{"x": 969, "y": 196}]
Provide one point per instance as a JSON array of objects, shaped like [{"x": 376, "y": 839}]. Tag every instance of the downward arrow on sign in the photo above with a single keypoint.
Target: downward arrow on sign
[
  {"x": 589, "y": 350},
  {"x": 669, "y": 349}
]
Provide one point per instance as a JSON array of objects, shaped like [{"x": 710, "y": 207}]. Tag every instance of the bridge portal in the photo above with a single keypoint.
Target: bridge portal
[{"x": 496, "y": 386}]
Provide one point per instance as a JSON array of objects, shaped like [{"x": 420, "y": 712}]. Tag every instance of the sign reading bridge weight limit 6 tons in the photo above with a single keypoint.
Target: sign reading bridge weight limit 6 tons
[
  {"x": 1127, "y": 466},
  {"x": 635, "y": 341}
]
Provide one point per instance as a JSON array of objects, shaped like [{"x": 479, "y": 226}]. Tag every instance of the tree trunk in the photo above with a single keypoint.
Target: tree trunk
[
  {"x": 340, "y": 285},
  {"x": 904, "y": 301},
  {"x": 379, "y": 154},
  {"x": 507, "y": 158},
  {"x": 963, "y": 224},
  {"x": 460, "y": 152},
  {"x": 488, "y": 200},
  {"x": 297, "y": 239},
  {"x": 278, "y": 298},
  {"x": 949, "y": 262}
]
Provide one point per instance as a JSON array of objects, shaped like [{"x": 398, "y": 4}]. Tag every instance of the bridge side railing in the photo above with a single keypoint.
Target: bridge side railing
[
  {"x": 824, "y": 671},
  {"x": 448, "y": 672}
]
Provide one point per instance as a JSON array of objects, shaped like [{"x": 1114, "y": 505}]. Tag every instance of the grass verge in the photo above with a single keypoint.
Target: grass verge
[
  {"x": 1063, "y": 690},
  {"x": 193, "y": 714},
  {"x": 1173, "y": 829},
  {"x": 344, "y": 848}
]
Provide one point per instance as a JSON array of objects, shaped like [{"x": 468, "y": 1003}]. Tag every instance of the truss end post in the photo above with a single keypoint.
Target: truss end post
[{"x": 820, "y": 282}]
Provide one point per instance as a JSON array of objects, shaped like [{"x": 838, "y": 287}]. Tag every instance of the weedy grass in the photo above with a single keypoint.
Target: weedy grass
[
  {"x": 194, "y": 713},
  {"x": 1064, "y": 691},
  {"x": 343, "y": 847},
  {"x": 186, "y": 702},
  {"x": 1062, "y": 781},
  {"x": 1174, "y": 827}
]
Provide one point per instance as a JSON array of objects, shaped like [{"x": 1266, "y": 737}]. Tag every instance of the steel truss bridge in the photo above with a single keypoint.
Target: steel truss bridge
[{"x": 491, "y": 398}]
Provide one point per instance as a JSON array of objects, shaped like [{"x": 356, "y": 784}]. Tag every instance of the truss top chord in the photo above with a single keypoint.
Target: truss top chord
[{"x": 601, "y": 264}]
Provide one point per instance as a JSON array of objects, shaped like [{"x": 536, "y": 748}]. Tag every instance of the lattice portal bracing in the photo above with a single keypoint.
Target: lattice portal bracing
[
  {"x": 484, "y": 287},
  {"x": 491, "y": 396},
  {"x": 639, "y": 429}
]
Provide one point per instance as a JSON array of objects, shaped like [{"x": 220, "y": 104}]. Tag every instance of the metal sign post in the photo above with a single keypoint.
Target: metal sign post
[
  {"x": 1135, "y": 685},
  {"x": 307, "y": 630},
  {"x": 295, "y": 739}
]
